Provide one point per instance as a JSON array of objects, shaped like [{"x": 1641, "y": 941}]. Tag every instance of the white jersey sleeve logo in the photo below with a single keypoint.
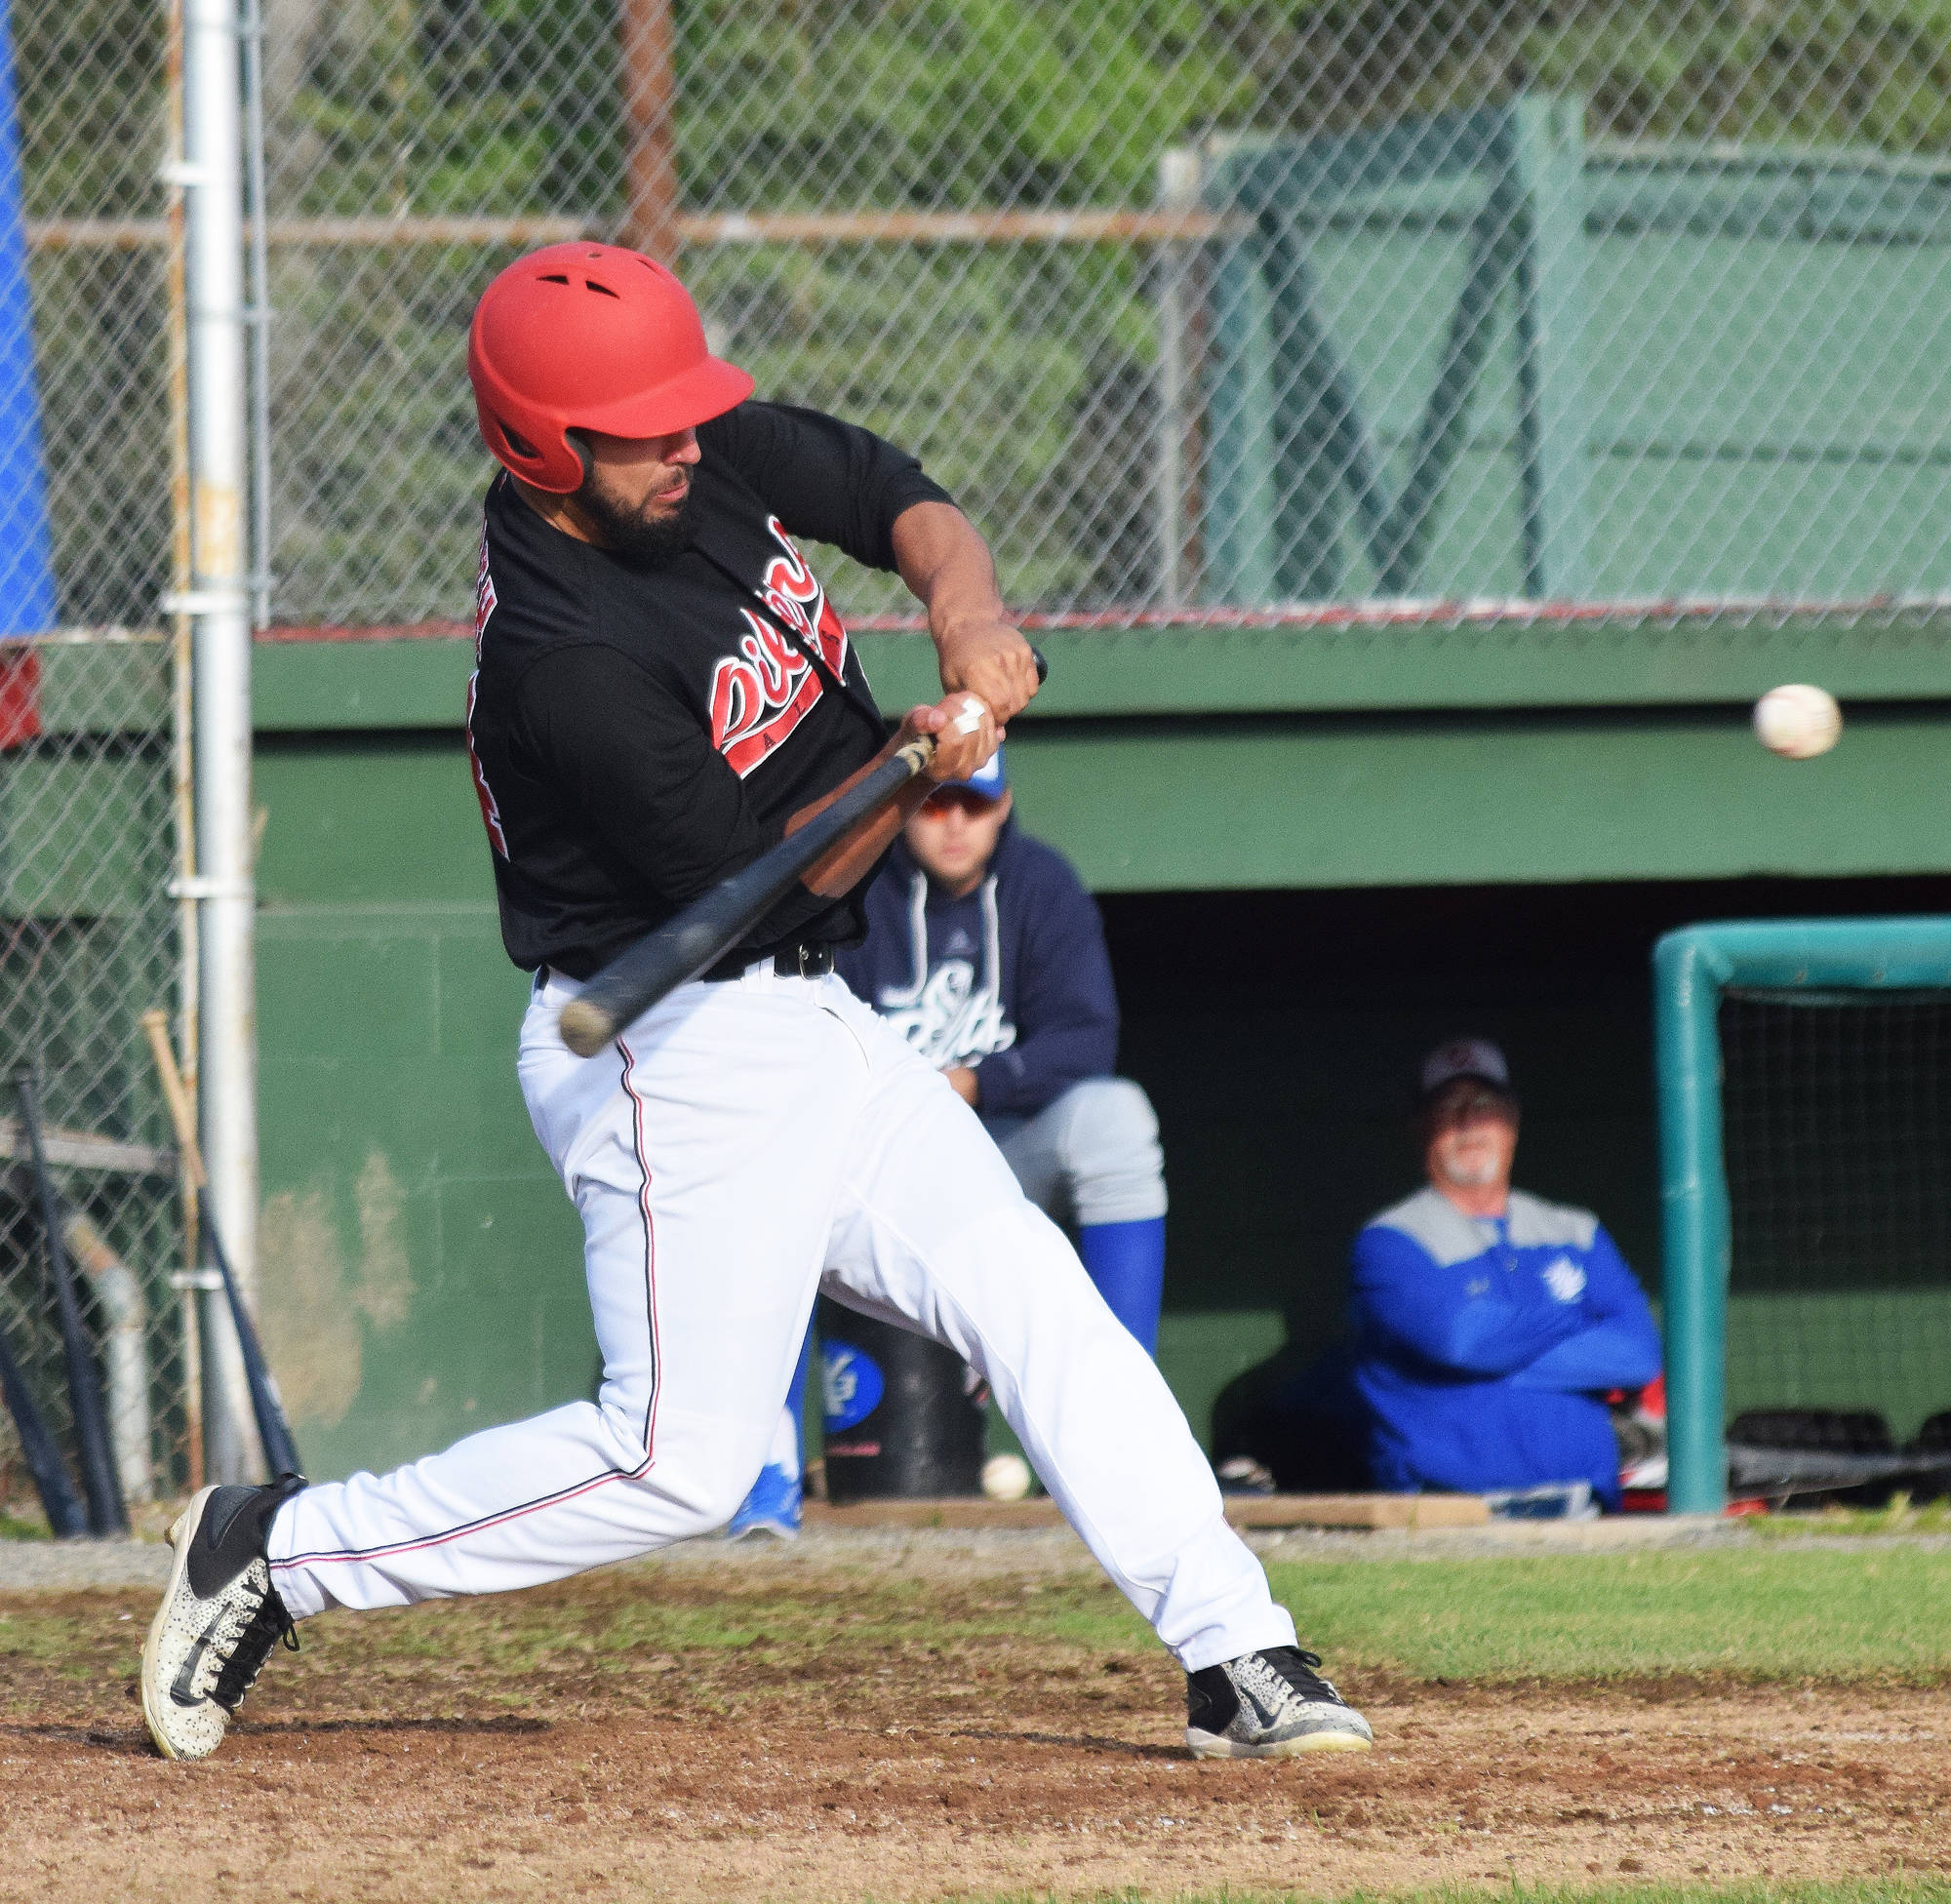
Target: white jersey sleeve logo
[{"x": 1565, "y": 1279}]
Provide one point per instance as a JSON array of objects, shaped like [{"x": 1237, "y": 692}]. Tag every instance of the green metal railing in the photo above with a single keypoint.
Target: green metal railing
[{"x": 1692, "y": 971}]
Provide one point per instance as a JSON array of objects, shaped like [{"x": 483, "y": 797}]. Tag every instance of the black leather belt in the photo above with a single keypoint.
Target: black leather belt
[{"x": 803, "y": 960}]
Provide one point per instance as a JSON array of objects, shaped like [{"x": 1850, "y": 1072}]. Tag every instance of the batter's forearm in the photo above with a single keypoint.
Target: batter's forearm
[
  {"x": 947, "y": 566},
  {"x": 963, "y": 734},
  {"x": 853, "y": 858}
]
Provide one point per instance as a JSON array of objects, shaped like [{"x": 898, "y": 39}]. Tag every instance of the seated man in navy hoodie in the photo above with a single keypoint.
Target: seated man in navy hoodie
[
  {"x": 1489, "y": 1324},
  {"x": 985, "y": 950}
]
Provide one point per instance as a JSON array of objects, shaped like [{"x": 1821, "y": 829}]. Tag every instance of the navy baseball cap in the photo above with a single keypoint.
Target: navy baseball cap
[
  {"x": 988, "y": 779},
  {"x": 1464, "y": 1058}
]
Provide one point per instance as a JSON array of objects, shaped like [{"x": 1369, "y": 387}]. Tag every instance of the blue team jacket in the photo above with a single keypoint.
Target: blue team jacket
[
  {"x": 1482, "y": 1344},
  {"x": 1013, "y": 980}
]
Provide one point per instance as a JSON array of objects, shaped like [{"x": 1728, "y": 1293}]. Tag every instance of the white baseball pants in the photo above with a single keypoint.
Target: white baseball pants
[{"x": 741, "y": 1146}]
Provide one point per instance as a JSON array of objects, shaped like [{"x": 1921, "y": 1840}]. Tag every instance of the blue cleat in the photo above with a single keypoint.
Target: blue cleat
[{"x": 771, "y": 1508}]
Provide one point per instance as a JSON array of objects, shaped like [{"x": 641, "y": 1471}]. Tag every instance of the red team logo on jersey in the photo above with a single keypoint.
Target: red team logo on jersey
[
  {"x": 484, "y": 607},
  {"x": 760, "y": 694}
]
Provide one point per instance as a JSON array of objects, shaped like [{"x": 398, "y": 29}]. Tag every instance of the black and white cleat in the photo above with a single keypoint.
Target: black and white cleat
[
  {"x": 1270, "y": 1704},
  {"x": 219, "y": 1619}
]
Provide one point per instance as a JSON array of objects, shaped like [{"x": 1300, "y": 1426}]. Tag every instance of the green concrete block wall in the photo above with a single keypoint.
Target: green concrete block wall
[{"x": 421, "y": 1265}]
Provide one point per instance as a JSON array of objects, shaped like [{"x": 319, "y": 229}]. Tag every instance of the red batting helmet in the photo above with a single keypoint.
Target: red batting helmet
[{"x": 589, "y": 336}]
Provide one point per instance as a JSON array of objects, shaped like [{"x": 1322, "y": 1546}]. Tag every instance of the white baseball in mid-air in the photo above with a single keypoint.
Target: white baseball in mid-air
[
  {"x": 1006, "y": 1477},
  {"x": 1798, "y": 721}
]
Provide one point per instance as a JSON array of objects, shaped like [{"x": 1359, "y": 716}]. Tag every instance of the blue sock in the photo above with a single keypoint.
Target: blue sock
[
  {"x": 796, "y": 1395},
  {"x": 774, "y": 1498},
  {"x": 1126, "y": 1262}
]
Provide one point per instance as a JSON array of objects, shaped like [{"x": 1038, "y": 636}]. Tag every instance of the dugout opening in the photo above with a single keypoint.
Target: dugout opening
[{"x": 1278, "y": 1031}]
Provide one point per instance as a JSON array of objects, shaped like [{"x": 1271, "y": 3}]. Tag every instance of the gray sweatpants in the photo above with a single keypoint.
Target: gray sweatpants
[{"x": 1091, "y": 1157}]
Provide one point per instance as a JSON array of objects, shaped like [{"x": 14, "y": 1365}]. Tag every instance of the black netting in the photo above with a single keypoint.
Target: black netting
[{"x": 1838, "y": 1149}]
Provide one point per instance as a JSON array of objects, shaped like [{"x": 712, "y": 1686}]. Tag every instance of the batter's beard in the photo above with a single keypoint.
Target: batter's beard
[{"x": 643, "y": 542}]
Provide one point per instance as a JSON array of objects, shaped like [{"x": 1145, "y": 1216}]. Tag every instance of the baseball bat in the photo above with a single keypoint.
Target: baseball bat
[
  {"x": 67, "y": 1515},
  {"x": 678, "y": 950},
  {"x": 281, "y": 1453},
  {"x": 711, "y": 925},
  {"x": 99, "y": 1483}
]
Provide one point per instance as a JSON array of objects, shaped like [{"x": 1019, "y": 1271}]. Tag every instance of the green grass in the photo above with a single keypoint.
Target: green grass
[
  {"x": 1767, "y": 1613},
  {"x": 1763, "y": 1614},
  {"x": 1899, "y": 1517}
]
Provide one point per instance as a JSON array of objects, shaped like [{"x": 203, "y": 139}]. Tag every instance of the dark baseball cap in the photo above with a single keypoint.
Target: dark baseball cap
[{"x": 1464, "y": 1058}]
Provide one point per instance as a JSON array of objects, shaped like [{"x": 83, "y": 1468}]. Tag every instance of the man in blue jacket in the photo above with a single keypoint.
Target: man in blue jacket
[
  {"x": 986, "y": 951},
  {"x": 1489, "y": 1324}
]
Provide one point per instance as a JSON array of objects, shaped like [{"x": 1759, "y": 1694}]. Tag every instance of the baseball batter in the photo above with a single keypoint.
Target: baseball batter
[{"x": 662, "y": 693}]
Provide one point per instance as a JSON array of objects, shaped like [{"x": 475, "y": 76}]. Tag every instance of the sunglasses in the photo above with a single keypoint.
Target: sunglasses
[{"x": 974, "y": 805}]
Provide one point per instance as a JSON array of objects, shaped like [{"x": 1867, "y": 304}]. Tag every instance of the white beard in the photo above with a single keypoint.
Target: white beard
[{"x": 1468, "y": 1172}]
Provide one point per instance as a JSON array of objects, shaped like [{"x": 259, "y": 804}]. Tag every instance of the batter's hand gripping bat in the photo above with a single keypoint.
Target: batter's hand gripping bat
[
  {"x": 281, "y": 1452},
  {"x": 712, "y": 924},
  {"x": 106, "y": 1513}
]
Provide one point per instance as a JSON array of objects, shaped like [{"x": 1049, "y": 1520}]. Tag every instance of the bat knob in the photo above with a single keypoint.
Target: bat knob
[{"x": 1042, "y": 666}]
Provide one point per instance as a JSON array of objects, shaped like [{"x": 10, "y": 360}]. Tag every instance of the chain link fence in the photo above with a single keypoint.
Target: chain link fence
[
  {"x": 1195, "y": 305},
  {"x": 88, "y": 938},
  {"x": 1188, "y": 303}
]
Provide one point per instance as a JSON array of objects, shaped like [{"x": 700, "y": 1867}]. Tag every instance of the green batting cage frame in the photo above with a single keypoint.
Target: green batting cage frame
[{"x": 1694, "y": 970}]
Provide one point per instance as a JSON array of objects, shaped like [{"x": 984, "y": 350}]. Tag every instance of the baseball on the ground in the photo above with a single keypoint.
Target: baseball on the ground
[
  {"x": 1798, "y": 721},
  {"x": 1006, "y": 1477}
]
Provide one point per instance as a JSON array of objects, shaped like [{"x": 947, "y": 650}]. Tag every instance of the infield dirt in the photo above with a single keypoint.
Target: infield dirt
[{"x": 446, "y": 1753}]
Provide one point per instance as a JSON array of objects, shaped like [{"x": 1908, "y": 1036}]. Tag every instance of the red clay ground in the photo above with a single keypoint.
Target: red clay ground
[{"x": 518, "y": 1753}]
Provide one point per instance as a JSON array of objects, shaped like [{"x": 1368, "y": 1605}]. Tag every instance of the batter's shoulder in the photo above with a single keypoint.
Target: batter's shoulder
[{"x": 750, "y": 440}]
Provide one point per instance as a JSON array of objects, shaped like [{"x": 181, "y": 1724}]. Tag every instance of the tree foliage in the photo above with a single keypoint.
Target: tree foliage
[{"x": 1022, "y": 375}]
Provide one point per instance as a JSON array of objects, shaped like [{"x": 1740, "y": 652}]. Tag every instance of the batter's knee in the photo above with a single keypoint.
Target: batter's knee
[{"x": 1111, "y": 1151}]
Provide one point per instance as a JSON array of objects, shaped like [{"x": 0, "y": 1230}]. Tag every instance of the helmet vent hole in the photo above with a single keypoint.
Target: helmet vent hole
[
  {"x": 554, "y": 277},
  {"x": 602, "y": 287}
]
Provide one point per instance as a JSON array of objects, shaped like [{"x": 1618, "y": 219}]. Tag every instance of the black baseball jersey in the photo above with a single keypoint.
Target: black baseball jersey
[{"x": 638, "y": 733}]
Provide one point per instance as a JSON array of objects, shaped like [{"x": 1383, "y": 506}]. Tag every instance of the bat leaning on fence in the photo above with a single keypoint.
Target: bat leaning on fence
[
  {"x": 713, "y": 924},
  {"x": 281, "y": 1452},
  {"x": 106, "y": 1513},
  {"x": 67, "y": 1515}
]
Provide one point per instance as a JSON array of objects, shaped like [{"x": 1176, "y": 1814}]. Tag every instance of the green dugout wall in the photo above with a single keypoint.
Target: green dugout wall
[{"x": 1318, "y": 849}]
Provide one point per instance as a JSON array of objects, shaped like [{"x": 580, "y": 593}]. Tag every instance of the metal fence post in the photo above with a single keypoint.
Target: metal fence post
[
  {"x": 1689, "y": 971},
  {"x": 1554, "y": 453},
  {"x": 1178, "y": 190},
  {"x": 220, "y": 606}
]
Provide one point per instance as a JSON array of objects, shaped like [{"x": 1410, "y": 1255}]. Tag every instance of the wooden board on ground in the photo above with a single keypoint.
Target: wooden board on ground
[
  {"x": 1357, "y": 1511},
  {"x": 1243, "y": 1510}
]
